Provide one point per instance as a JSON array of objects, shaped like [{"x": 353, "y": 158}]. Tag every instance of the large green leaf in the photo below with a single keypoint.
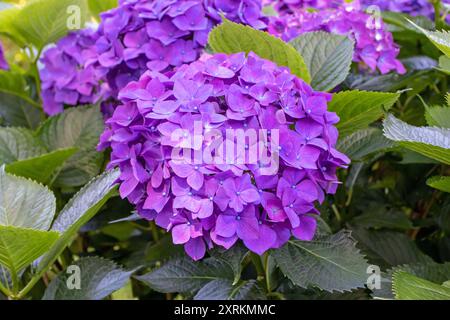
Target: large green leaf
[
  {"x": 328, "y": 57},
  {"x": 230, "y": 37},
  {"x": 76, "y": 127},
  {"x": 431, "y": 142},
  {"x": 41, "y": 168},
  {"x": 186, "y": 275},
  {"x": 98, "y": 279},
  {"x": 24, "y": 203},
  {"x": 409, "y": 287},
  {"x": 19, "y": 144},
  {"x": 19, "y": 247},
  {"x": 363, "y": 143},
  {"x": 357, "y": 109},
  {"x": 223, "y": 289},
  {"x": 42, "y": 22},
  {"x": 331, "y": 263},
  {"x": 440, "y": 183},
  {"x": 79, "y": 210}
]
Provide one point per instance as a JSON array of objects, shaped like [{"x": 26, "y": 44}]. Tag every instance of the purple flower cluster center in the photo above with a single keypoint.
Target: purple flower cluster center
[{"x": 208, "y": 204}]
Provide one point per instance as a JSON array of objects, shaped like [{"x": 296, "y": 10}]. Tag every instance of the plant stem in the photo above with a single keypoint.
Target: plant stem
[
  {"x": 154, "y": 230},
  {"x": 267, "y": 272},
  {"x": 336, "y": 213},
  {"x": 258, "y": 265}
]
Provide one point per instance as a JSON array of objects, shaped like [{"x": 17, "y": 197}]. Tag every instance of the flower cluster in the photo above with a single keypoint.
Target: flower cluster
[
  {"x": 374, "y": 45},
  {"x": 162, "y": 34},
  {"x": 167, "y": 138},
  {"x": 136, "y": 36},
  {"x": 3, "y": 63},
  {"x": 70, "y": 74}
]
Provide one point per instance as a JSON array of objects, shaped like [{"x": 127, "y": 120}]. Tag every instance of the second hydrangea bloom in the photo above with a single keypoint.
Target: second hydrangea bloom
[
  {"x": 219, "y": 202},
  {"x": 374, "y": 45}
]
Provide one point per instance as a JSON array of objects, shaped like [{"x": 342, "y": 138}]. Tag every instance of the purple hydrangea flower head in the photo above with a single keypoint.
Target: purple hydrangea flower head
[
  {"x": 71, "y": 74},
  {"x": 3, "y": 62},
  {"x": 228, "y": 148},
  {"x": 374, "y": 45}
]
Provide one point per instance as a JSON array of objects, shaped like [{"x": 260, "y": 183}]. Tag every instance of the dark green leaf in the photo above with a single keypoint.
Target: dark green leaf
[
  {"x": 328, "y": 57},
  {"x": 98, "y": 279},
  {"x": 331, "y": 263}
]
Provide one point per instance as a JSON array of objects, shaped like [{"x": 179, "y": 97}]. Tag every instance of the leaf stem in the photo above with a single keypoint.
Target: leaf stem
[{"x": 5, "y": 291}]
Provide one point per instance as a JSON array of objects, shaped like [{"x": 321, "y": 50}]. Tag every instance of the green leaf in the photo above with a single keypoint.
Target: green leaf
[
  {"x": 41, "y": 168},
  {"x": 440, "y": 183},
  {"x": 19, "y": 247},
  {"x": 88, "y": 201},
  {"x": 24, "y": 203},
  {"x": 186, "y": 275},
  {"x": 98, "y": 6},
  {"x": 19, "y": 144},
  {"x": 230, "y": 37},
  {"x": 328, "y": 57},
  {"x": 12, "y": 82},
  {"x": 431, "y": 142},
  {"x": 431, "y": 271},
  {"x": 222, "y": 289},
  {"x": 98, "y": 279},
  {"x": 363, "y": 143},
  {"x": 233, "y": 257},
  {"x": 7, "y": 16},
  {"x": 438, "y": 116},
  {"x": 393, "y": 247},
  {"x": 42, "y": 22},
  {"x": 380, "y": 217},
  {"x": 331, "y": 263},
  {"x": 79, "y": 210},
  {"x": 18, "y": 110},
  {"x": 76, "y": 127},
  {"x": 409, "y": 287},
  {"x": 357, "y": 109},
  {"x": 441, "y": 39}
]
